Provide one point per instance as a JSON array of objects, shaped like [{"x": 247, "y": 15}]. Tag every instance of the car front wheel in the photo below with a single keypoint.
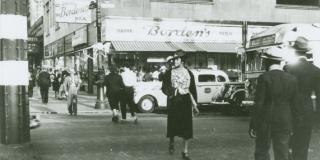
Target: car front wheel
[{"x": 146, "y": 104}]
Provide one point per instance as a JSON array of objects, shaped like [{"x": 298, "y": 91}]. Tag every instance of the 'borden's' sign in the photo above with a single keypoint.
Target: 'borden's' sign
[
  {"x": 170, "y": 30},
  {"x": 71, "y": 11}
]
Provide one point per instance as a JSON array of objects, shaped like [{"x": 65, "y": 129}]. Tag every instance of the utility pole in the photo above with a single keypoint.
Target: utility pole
[
  {"x": 14, "y": 103},
  {"x": 244, "y": 43},
  {"x": 100, "y": 103}
]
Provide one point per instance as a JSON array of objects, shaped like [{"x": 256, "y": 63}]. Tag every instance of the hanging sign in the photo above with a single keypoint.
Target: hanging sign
[{"x": 71, "y": 11}]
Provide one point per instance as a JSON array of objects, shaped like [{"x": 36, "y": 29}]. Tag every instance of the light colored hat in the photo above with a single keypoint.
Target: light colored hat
[
  {"x": 169, "y": 58},
  {"x": 271, "y": 57},
  {"x": 178, "y": 54},
  {"x": 301, "y": 44}
]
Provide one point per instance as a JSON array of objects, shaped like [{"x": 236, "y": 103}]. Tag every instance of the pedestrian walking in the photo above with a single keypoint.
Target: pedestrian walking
[
  {"x": 62, "y": 81},
  {"x": 275, "y": 106},
  {"x": 56, "y": 84},
  {"x": 72, "y": 85},
  {"x": 31, "y": 83},
  {"x": 115, "y": 86},
  {"x": 178, "y": 84},
  {"x": 129, "y": 80},
  {"x": 44, "y": 83},
  {"x": 308, "y": 76}
]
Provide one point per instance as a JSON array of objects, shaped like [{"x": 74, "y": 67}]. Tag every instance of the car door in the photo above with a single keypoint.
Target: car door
[{"x": 205, "y": 84}]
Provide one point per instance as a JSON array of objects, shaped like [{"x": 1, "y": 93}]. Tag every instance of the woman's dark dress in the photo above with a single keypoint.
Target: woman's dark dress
[{"x": 179, "y": 122}]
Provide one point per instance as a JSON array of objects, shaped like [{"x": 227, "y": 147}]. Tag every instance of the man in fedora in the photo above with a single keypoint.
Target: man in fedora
[
  {"x": 308, "y": 76},
  {"x": 274, "y": 108}
]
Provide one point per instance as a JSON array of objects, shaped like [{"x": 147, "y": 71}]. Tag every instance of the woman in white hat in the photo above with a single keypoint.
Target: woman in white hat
[{"x": 178, "y": 84}]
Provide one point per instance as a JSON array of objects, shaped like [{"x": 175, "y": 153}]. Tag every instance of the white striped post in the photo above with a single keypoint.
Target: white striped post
[{"x": 14, "y": 105}]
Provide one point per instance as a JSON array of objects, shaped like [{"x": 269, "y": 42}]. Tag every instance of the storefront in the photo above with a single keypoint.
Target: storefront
[{"x": 147, "y": 42}]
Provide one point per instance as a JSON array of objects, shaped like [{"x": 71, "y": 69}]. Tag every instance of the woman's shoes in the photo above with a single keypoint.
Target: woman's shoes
[
  {"x": 171, "y": 148},
  {"x": 185, "y": 156}
]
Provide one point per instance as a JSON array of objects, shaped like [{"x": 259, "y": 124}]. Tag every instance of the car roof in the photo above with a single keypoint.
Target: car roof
[{"x": 208, "y": 71}]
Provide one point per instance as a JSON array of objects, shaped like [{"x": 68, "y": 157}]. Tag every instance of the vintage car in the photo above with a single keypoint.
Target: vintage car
[{"x": 212, "y": 86}]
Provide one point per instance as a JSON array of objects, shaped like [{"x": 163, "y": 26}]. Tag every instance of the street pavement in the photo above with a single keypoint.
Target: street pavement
[
  {"x": 92, "y": 136},
  {"x": 86, "y": 104}
]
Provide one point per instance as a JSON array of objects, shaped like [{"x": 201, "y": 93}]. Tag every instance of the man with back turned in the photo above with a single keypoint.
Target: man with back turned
[
  {"x": 274, "y": 109},
  {"x": 308, "y": 76}
]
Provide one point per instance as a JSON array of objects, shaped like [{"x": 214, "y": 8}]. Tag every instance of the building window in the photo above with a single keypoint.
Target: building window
[
  {"x": 299, "y": 2},
  {"x": 186, "y": 1}
]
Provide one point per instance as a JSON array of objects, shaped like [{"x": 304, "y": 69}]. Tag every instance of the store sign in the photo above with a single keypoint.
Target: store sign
[
  {"x": 263, "y": 41},
  {"x": 79, "y": 37},
  {"x": 169, "y": 31},
  {"x": 71, "y": 11},
  {"x": 14, "y": 73},
  {"x": 254, "y": 30}
]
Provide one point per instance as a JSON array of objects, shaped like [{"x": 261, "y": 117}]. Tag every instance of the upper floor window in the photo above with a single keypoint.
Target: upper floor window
[
  {"x": 299, "y": 2},
  {"x": 186, "y": 1}
]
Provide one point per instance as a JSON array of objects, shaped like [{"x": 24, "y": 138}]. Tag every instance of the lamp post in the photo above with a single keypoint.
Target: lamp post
[{"x": 100, "y": 103}]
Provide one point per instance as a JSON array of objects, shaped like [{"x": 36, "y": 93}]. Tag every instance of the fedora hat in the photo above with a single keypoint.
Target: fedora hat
[
  {"x": 301, "y": 44},
  {"x": 178, "y": 54}
]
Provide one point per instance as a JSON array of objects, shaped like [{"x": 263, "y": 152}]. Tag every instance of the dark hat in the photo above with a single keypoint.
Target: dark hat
[
  {"x": 301, "y": 44},
  {"x": 178, "y": 54},
  {"x": 271, "y": 57}
]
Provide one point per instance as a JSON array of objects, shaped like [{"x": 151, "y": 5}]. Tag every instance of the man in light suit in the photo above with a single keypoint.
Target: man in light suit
[
  {"x": 274, "y": 109},
  {"x": 308, "y": 76}
]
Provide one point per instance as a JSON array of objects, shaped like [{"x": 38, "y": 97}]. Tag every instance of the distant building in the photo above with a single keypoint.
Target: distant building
[
  {"x": 145, "y": 32},
  {"x": 35, "y": 33}
]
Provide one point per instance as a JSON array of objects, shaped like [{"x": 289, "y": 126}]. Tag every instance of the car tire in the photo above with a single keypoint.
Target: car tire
[
  {"x": 147, "y": 104},
  {"x": 235, "y": 107}
]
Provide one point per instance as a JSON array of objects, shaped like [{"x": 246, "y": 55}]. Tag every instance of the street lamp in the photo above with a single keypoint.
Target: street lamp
[{"x": 100, "y": 103}]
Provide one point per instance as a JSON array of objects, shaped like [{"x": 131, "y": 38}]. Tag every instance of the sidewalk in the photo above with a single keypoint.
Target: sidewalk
[{"x": 86, "y": 104}]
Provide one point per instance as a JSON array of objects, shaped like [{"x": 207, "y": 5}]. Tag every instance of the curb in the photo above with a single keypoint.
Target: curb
[{"x": 83, "y": 112}]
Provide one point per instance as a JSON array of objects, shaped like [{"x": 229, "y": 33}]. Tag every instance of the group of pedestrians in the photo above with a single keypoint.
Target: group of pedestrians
[
  {"x": 66, "y": 83},
  {"x": 284, "y": 112}
]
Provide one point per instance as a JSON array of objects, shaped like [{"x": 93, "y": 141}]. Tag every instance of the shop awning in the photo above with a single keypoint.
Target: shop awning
[
  {"x": 173, "y": 46},
  {"x": 185, "y": 46},
  {"x": 141, "y": 46},
  {"x": 219, "y": 47}
]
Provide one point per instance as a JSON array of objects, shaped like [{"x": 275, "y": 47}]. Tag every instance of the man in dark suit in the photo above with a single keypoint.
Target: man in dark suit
[
  {"x": 308, "y": 76},
  {"x": 273, "y": 111},
  {"x": 114, "y": 84},
  {"x": 44, "y": 83}
]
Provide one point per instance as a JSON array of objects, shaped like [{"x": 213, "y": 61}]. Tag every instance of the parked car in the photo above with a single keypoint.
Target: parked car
[{"x": 212, "y": 86}]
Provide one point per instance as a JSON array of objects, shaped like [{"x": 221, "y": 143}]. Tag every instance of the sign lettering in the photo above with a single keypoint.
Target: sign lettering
[{"x": 70, "y": 11}]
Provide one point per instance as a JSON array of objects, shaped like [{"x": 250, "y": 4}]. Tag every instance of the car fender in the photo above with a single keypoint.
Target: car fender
[
  {"x": 236, "y": 92},
  {"x": 160, "y": 98}
]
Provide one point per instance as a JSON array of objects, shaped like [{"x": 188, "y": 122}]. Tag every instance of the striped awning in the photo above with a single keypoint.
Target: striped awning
[
  {"x": 219, "y": 47},
  {"x": 173, "y": 46},
  {"x": 141, "y": 46}
]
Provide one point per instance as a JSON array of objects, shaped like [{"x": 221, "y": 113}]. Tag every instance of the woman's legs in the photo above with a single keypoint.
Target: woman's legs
[
  {"x": 185, "y": 144},
  {"x": 185, "y": 154}
]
